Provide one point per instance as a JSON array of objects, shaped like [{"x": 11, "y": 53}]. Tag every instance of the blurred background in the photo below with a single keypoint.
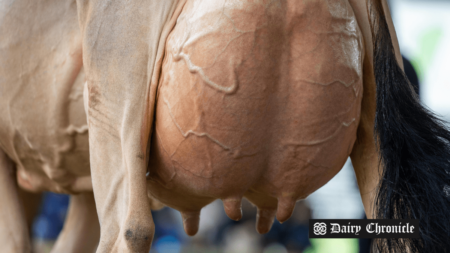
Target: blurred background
[{"x": 423, "y": 30}]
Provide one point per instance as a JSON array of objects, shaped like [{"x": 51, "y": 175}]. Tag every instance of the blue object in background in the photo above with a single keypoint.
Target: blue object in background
[
  {"x": 168, "y": 244},
  {"x": 52, "y": 214},
  {"x": 292, "y": 235}
]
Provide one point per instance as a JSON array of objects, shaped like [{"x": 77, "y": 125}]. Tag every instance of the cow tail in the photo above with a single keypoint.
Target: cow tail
[{"x": 414, "y": 148}]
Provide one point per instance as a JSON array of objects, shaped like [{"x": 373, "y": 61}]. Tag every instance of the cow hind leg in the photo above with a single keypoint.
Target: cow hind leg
[
  {"x": 121, "y": 90},
  {"x": 403, "y": 172},
  {"x": 14, "y": 236},
  {"x": 31, "y": 202},
  {"x": 81, "y": 232}
]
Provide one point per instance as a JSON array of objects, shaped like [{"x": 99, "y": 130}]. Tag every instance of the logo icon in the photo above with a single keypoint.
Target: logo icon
[{"x": 320, "y": 228}]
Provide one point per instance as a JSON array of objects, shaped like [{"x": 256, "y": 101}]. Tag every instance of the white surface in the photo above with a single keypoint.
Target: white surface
[{"x": 413, "y": 20}]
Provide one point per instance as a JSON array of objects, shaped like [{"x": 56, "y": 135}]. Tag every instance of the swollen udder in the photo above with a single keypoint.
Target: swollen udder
[{"x": 257, "y": 99}]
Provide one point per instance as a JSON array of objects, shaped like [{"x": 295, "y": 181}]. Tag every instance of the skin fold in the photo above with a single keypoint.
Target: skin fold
[
  {"x": 43, "y": 126},
  {"x": 43, "y": 129},
  {"x": 185, "y": 102}
]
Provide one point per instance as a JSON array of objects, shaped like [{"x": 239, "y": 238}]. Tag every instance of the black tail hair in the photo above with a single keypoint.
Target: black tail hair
[{"x": 414, "y": 147}]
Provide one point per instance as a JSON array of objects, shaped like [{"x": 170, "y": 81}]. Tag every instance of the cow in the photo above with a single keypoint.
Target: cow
[
  {"x": 188, "y": 101},
  {"x": 43, "y": 139}
]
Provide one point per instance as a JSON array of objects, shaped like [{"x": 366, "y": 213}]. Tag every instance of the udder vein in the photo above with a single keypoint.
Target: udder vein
[{"x": 192, "y": 132}]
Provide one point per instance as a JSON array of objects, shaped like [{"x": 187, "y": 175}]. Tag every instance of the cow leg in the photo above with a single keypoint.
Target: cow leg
[
  {"x": 123, "y": 46},
  {"x": 14, "y": 236},
  {"x": 81, "y": 230},
  {"x": 365, "y": 157},
  {"x": 31, "y": 202}
]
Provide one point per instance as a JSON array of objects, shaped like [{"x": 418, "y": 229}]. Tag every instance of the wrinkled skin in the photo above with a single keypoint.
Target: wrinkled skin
[
  {"x": 209, "y": 99},
  {"x": 43, "y": 128}
]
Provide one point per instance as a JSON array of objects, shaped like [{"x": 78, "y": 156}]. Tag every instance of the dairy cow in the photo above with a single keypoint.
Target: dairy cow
[{"x": 188, "y": 101}]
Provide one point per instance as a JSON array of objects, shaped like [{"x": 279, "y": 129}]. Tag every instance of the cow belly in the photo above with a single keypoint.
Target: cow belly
[
  {"x": 257, "y": 99},
  {"x": 43, "y": 126}
]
